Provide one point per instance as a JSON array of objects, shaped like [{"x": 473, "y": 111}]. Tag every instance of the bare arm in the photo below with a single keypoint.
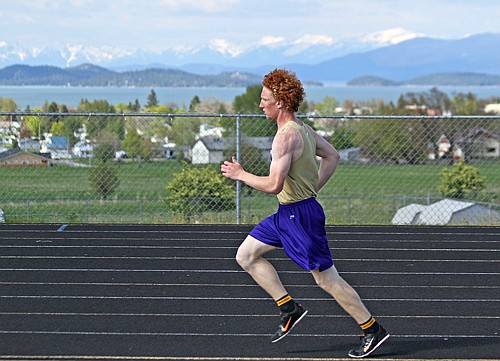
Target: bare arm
[
  {"x": 329, "y": 159},
  {"x": 284, "y": 145}
]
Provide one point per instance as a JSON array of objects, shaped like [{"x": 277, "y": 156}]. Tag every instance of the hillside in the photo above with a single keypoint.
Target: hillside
[
  {"x": 410, "y": 59},
  {"x": 91, "y": 75},
  {"x": 435, "y": 79}
]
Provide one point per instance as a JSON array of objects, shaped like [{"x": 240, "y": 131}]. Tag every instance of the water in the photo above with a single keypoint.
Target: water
[{"x": 36, "y": 96}]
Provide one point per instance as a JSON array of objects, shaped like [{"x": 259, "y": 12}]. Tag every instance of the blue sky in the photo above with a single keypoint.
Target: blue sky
[{"x": 232, "y": 24}]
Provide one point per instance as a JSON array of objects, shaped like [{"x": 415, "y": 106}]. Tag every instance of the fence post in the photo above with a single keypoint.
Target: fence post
[{"x": 238, "y": 183}]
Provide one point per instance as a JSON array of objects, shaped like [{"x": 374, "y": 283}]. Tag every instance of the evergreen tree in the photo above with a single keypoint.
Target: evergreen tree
[{"x": 152, "y": 99}]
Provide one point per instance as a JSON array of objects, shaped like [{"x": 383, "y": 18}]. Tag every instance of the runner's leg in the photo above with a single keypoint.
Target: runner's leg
[
  {"x": 249, "y": 257},
  {"x": 330, "y": 281}
]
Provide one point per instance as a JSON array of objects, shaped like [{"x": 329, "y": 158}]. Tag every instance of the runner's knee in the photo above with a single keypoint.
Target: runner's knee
[{"x": 244, "y": 258}]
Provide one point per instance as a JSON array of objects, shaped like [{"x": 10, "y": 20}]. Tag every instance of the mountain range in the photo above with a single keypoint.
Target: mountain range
[{"x": 398, "y": 62}]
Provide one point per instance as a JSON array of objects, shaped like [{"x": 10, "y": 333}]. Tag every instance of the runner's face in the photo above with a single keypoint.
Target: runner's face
[{"x": 268, "y": 104}]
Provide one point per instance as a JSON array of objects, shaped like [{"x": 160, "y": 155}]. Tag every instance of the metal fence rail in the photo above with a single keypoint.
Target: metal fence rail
[{"x": 164, "y": 168}]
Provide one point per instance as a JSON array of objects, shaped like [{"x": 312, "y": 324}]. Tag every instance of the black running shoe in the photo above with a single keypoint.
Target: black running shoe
[
  {"x": 369, "y": 343},
  {"x": 288, "y": 321}
]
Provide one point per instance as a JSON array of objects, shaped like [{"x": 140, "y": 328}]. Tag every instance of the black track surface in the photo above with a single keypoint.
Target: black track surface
[{"x": 175, "y": 292}]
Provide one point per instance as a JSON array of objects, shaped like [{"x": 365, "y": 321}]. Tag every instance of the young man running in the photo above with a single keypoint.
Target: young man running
[{"x": 298, "y": 226}]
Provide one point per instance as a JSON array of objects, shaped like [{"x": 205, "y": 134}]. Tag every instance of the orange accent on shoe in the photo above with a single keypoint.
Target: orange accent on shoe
[{"x": 285, "y": 328}]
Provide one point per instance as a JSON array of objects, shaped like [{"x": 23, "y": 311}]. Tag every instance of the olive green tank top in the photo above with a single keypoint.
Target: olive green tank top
[{"x": 302, "y": 179}]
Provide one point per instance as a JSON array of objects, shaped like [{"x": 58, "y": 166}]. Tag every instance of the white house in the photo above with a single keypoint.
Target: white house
[
  {"x": 479, "y": 142},
  {"x": 492, "y": 108},
  {"x": 83, "y": 149},
  {"x": 211, "y": 149},
  {"x": 207, "y": 130},
  {"x": 57, "y": 146}
]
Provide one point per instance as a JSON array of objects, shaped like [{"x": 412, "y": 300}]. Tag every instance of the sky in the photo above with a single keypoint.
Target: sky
[{"x": 156, "y": 25}]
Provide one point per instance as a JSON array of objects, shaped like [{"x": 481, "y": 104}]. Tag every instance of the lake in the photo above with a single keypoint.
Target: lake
[{"x": 35, "y": 96}]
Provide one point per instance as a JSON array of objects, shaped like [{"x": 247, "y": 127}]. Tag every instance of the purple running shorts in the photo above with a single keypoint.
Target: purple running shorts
[{"x": 298, "y": 228}]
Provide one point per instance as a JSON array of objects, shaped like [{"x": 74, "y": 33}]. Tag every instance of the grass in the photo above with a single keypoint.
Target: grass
[{"x": 361, "y": 194}]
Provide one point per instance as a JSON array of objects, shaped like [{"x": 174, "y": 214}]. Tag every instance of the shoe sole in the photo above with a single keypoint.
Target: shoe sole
[
  {"x": 376, "y": 346},
  {"x": 291, "y": 328}
]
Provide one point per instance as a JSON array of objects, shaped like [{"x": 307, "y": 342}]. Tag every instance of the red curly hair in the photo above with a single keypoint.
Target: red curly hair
[{"x": 285, "y": 86}]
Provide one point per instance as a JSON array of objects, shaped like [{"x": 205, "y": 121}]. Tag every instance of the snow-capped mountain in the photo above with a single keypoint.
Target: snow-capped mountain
[
  {"x": 396, "y": 55},
  {"x": 308, "y": 49}
]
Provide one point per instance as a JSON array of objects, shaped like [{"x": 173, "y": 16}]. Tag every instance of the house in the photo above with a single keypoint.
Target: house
[
  {"x": 478, "y": 142},
  {"x": 57, "y": 146},
  {"x": 169, "y": 150},
  {"x": 207, "y": 130},
  {"x": 444, "y": 147},
  {"x": 83, "y": 149},
  {"x": 29, "y": 144},
  {"x": 20, "y": 158},
  {"x": 492, "y": 108},
  {"x": 446, "y": 211},
  {"x": 207, "y": 150},
  {"x": 9, "y": 130},
  {"x": 350, "y": 155},
  {"x": 470, "y": 143}
]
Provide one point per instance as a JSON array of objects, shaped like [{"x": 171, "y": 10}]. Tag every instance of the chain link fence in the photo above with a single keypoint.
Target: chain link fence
[{"x": 165, "y": 168}]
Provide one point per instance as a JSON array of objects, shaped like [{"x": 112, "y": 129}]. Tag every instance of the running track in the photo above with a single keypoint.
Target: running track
[{"x": 174, "y": 292}]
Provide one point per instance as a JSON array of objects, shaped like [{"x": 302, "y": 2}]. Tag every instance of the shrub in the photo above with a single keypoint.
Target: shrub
[
  {"x": 196, "y": 190},
  {"x": 104, "y": 180},
  {"x": 459, "y": 180}
]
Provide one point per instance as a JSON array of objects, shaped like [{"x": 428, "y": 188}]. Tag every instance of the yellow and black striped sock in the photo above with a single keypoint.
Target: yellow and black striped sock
[
  {"x": 370, "y": 326},
  {"x": 286, "y": 304}
]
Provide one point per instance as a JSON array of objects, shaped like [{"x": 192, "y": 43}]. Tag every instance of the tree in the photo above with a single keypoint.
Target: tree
[
  {"x": 465, "y": 104},
  {"x": 95, "y": 124},
  {"x": 183, "y": 131},
  {"x": 152, "y": 99},
  {"x": 104, "y": 179},
  {"x": 391, "y": 139},
  {"x": 136, "y": 147},
  {"x": 104, "y": 152},
  {"x": 96, "y": 106},
  {"x": 132, "y": 144},
  {"x": 7, "y": 105},
  {"x": 343, "y": 138},
  {"x": 249, "y": 101},
  {"x": 328, "y": 106},
  {"x": 194, "y": 102},
  {"x": 35, "y": 125}
]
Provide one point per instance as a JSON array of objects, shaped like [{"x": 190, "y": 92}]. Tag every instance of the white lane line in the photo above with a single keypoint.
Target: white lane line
[
  {"x": 237, "y": 271},
  {"x": 326, "y": 299},
  {"x": 200, "y": 334},
  {"x": 127, "y": 246},
  {"x": 276, "y": 259},
  {"x": 196, "y": 315},
  {"x": 229, "y": 285}
]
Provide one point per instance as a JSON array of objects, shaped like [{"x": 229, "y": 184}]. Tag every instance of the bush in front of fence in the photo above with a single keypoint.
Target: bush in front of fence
[{"x": 195, "y": 190}]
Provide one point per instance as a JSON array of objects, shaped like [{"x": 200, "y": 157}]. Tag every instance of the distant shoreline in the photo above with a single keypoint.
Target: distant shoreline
[{"x": 36, "y": 96}]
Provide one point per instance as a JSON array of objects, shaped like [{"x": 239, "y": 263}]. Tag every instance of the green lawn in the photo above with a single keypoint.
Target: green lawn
[{"x": 355, "y": 194}]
